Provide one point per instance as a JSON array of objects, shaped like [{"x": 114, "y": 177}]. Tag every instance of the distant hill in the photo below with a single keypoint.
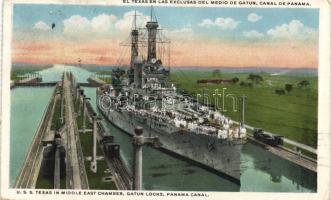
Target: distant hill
[
  {"x": 21, "y": 65},
  {"x": 266, "y": 70}
]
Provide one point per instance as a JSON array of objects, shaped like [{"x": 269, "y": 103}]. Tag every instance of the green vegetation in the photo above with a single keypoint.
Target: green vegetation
[
  {"x": 217, "y": 73},
  {"x": 18, "y": 72},
  {"x": 293, "y": 114},
  {"x": 104, "y": 72},
  {"x": 56, "y": 120},
  {"x": 288, "y": 87},
  {"x": 255, "y": 78},
  {"x": 235, "y": 79},
  {"x": 303, "y": 84},
  {"x": 44, "y": 183},
  {"x": 47, "y": 183},
  {"x": 106, "y": 79},
  {"x": 94, "y": 179},
  {"x": 63, "y": 183},
  {"x": 86, "y": 141},
  {"x": 104, "y": 75},
  {"x": 88, "y": 124}
]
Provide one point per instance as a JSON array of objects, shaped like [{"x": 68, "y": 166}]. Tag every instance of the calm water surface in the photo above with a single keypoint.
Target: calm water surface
[
  {"x": 260, "y": 170},
  {"x": 26, "y": 109}
]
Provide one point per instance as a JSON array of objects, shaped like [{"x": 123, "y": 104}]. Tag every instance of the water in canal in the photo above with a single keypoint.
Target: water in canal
[
  {"x": 260, "y": 170},
  {"x": 26, "y": 109}
]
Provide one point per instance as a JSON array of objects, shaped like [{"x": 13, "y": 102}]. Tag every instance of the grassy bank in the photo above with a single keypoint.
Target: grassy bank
[
  {"x": 86, "y": 140},
  {"x": 56, "y": 120},
  {"x": 18, "y": 72},
  {"x": 104, "y": 75},
  {"x": 95, "y": 179},
  {"x": 106, "y": 79},
  {"x": 292, "y": 114},
  {"x": 44, "y": 183},
  {"x": 48, "y": 183}
]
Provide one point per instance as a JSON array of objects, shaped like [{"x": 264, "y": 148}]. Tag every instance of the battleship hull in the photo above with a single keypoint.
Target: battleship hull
[{"x": 217, "y": 155}]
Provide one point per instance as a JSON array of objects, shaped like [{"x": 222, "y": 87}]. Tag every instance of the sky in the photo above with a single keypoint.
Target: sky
[{"x": 206, "y": 37}]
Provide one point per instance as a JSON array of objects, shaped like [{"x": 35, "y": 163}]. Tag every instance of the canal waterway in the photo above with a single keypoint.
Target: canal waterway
[
  {"x": 55, "y": 73},
  {"x": 260, "y": 170},
  {"x": 26, "y": 109}
]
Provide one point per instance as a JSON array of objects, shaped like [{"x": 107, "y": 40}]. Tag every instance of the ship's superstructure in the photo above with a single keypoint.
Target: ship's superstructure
[{"x": 142, "y": 96}]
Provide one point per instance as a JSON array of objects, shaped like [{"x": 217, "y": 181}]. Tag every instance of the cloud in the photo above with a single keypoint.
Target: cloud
[
  {"x": 77, "y": 24},
  {"x": 181, "y": 33},
  {"x": 103, "y": 22},
  {"x": 253, "y": 34},
  {"x": 223, "y": 23},
  {"x": 253, "y": 17},
  {"x": 41, "y": 26},
  {"x": 295, "y": 29},
  {"x": 104, "y": 25},
  {"x": 206, "y": 23}
]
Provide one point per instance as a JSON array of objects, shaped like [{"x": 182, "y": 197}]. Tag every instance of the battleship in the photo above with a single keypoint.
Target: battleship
[{"x": 142, "y": 95}]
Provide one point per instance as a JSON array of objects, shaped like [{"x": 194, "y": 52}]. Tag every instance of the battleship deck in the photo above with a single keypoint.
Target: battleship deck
[{"x": 201, "y": 163}]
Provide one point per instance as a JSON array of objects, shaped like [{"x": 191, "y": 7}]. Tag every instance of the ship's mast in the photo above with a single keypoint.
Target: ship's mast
[
  {"x": 134, "y": 41},
  {"x": 151, "y": 26}
]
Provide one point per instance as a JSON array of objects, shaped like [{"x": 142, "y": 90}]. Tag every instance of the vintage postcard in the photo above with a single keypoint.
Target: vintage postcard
[{"x": 169, "y": 99}]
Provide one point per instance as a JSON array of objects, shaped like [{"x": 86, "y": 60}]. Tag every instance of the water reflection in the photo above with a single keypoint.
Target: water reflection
[{"x": 273, "y": 173}]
